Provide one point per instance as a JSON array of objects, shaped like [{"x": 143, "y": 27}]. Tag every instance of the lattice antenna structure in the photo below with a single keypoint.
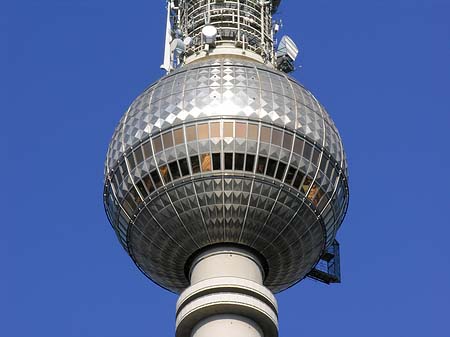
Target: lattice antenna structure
[
  {"x": 226, "y": 179},
  {"x": 239, "y": 27}
]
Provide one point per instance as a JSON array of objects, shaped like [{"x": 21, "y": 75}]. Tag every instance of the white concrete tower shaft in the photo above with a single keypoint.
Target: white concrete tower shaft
[{"x": 227, "y": 297}]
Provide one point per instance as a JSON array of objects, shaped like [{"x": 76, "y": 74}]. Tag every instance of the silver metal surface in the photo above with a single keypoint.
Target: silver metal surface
[{"x": 213, "y": 110}]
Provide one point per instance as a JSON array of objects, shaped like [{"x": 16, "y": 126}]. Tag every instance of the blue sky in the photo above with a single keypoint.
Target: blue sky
[{"x": 69, "y": 70}]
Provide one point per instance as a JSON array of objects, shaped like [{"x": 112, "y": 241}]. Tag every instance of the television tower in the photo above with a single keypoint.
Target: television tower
[{"x": 226, "y": 180}]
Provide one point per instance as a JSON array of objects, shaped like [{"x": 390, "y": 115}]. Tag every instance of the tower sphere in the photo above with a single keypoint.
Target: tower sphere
[{"x": 226, "y": 150}]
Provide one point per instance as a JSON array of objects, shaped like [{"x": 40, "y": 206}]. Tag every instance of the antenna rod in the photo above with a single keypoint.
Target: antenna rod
[{"x": 167, "y": 53}]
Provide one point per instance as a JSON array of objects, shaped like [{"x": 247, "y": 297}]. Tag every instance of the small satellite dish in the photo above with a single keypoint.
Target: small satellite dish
[
  {"x": 209, "y": 33},
  {"x": 187, "y": 41}
]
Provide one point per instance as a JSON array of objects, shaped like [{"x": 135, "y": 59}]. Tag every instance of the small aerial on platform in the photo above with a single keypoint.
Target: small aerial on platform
[{"x": 286, "y": 54}]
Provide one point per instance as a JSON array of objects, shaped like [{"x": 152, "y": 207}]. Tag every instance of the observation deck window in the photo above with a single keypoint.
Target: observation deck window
[
  {"x": 184, "y": 167},
  {"x": 195, "y": 164},
  {"x": 261, "y": 165},
  {"x": 252, "y": 132},
  {"x": 179, "y": 136},
  {"x": 141, "y": 188},
  {"x": 148, "y": 184},
  {"x": 203, "y": 131},
  {"x": 306, "y": 184},
  {"x": 216, "y": 161},
  {"x": 147, "y": 148},
  {"x": 215, "y": 130},
  {"x": 298, "y": 146},
  {"x": 276, "y": 137},
  {"x": 138, "y": 155},
  {"x": 167, "y": 140},
  {"x": 271, "y": 167},
  {"x": 265, "y": 134},
  {"x": 249, "y": 162},
  {"x": 298, "y": 180},
  {"x": 241, "y": 130},
  {"x": 165, "y": 173},
  {"x": 290, "y": 175},
  {"x": 191, "y": 133},
  {"x": 239, "y": 162},
  {"x": 228, "y": 129},
  {"x": 287, "y": 141},
  {"x": 156, "y": 179},
  {"x": 173, "y": 166},
  {"x": 157, "y": 144},
  {"x": 280, "y": 171},
  {"x": 228, "y": 161},
  {"x": 206, "y": 162}
]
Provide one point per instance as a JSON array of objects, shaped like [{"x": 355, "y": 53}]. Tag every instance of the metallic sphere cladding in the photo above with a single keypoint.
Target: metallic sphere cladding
[{"x": 225, "y": 150}]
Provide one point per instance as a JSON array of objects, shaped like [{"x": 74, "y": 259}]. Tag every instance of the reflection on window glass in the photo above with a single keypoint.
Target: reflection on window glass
[
  {"x": 253, "y": 132},
  {"x": 228, "y": 161},
  {"x": 118, "y": 177},
  {"x": 203, "y": 131},
  {"x": 215, "y": 130},
  {"x": 276, "y": 137},
  {"x": 165, "y": 173},
  {"x": 131, "y": 162},
  {"x": 249, "y": 162},
  {"x": 315, "y": 157},
  {"x": 290, "y": 175},
  {"x": 141, "y": 188},
  {"x": 184, "y": 167},
  {"x": 167, "y": 140},
  {"x": 298, "y": 180},
  {"x": 157, "y": 144},
  {"x": 123, "y": 167},
  {"x": 148, "y": 183},
  {"x": 287, "y": 141},
  {"x": 147, "y": 147},
  {"x": 318, "y": 196},
  {"x": 306, "y": 184},
  {"x": 329, "y": 170},
  {"x": 323, "y": 163},
  {"x": 206, "y": 162},
  {"x": 241, "y": 130},
  {"x": 228, "y": 129},
  {"x": 138, "y": 155},
  {"x": 271, "y": 166},
  {"x": 216, "y": 161},
  {"x": 239, "y": 161},
  {"x": 195, "y": 163},
  {"x": 156, "y": 179},
  {"x": 307, "y": 151},
  {"x": 323, "y": 202},
  {"x": 174, "y": 170},
  {"x": 261, "y": 167},
  {"x": 135, "y": 195},
  {"x": 280, "y": 171},
  {"x": 265, "y": 134},
  {"x": 312, "y": 191},
  {"x": 179, "y": 136},
  {"x": 129, "y": 204},
  {"x": 191, "y": 133},
  {"x": 298, "y": 146}
]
